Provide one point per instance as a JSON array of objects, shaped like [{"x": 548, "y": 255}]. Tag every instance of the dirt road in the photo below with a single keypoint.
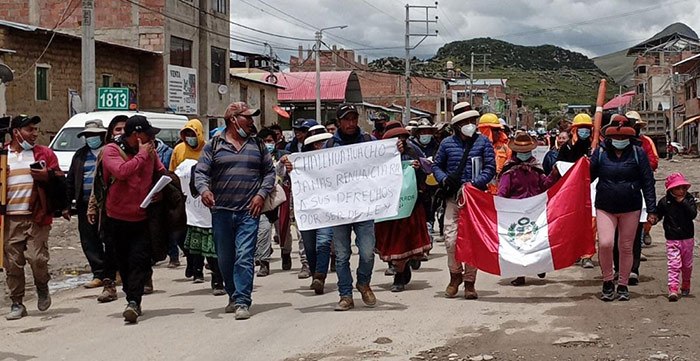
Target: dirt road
[{"x": 559, "y": 317}]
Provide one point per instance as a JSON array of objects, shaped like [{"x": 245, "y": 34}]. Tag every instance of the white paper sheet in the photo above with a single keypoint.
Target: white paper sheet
[{"x": 162, "y": 182}]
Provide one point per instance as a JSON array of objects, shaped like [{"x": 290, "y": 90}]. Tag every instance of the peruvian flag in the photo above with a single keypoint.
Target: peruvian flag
[{"x": 521, "y": 237}]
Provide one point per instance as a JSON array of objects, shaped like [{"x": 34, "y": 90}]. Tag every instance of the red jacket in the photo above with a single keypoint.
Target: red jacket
[
  {"x": 650, "y": 150},
  {"x": 133, "y": 178},
  {"x": 42, "y": 212}
]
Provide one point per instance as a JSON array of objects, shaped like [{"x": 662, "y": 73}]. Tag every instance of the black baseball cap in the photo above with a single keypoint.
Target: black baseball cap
[
  {"x": 299, "y": 123},
  {"x": 345, "y": 109},
  {"x": 22, "y": 120},
  {"x": 139, "y": 123}
]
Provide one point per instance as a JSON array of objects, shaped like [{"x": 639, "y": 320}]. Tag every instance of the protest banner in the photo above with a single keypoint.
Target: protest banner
[
  {"x": 409, "y": 193},
  {"x": 540, "y": 152},
  {"x": 347, "y": 184},
  {"x": 198, "y": 215}
]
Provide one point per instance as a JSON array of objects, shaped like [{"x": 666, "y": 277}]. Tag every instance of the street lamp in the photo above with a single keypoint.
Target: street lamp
[{"x": 319, "y": 35}]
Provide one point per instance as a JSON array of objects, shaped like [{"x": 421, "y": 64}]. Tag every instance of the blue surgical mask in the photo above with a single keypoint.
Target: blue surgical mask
[
  {"x": 192, "y": 141},
  {"x": 25, "y": 145},
  {"x": 240, "y": 130},
  {"x": 524, "y": 156},
  {"x": 620, "y": 144},
  {"x": 270, "y": 147},
  {"x": 583, "y": 133},
  {"x": 425, "y": 139},
  {"x": 93, "y": 142}
]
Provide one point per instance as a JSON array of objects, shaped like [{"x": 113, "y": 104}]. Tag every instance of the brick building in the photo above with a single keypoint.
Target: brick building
[
  {"x": 687, "y": 131},
  {"x": 193, "y": 36},
  {"x": 42, "y": 87},
  {"x": 331, "y": 60}
]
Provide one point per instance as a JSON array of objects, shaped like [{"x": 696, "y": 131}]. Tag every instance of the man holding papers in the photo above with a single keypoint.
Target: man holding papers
[{"x": 129, "y": 164}]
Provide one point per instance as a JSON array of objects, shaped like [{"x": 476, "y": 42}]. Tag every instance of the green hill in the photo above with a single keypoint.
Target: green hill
[{"x": 546, "y": 75}]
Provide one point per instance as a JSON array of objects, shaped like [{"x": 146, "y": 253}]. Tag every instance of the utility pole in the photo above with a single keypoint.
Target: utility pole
[
  {"x": 88, "y": 57},
  {"x": 408, "y": 48},
  {"x": 319, "y": 37},
  {"x": 471, "y": 81}
]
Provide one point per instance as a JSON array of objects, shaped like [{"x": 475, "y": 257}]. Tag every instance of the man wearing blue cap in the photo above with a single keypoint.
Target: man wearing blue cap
[{"x": 301, "y": 128}]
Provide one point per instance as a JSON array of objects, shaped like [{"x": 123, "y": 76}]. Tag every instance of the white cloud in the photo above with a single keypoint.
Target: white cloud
[{"x": 590, "y": 27}]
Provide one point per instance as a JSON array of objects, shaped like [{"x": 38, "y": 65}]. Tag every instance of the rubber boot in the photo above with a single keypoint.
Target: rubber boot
[{"x": 453, "y": 287}]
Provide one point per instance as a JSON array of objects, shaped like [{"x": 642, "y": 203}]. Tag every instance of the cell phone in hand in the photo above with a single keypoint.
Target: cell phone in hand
[{"x": 38, "y": 165}]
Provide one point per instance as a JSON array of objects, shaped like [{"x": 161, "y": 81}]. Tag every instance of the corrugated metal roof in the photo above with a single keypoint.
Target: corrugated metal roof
[
  {"x": 620, "y": 101},
  {"x": 301, "y": 86},
  {"x": 258, "y": 78}
]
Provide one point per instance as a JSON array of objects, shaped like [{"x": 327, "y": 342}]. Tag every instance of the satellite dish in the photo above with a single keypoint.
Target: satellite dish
[{"x": 6, "y": 74}]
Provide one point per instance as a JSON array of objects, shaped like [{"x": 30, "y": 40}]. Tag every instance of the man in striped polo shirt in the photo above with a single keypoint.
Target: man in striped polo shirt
[
  {"x": 29, "y": 213},
  {"x": 234, "y": 176},
  {"x": 80, "y": 178}
]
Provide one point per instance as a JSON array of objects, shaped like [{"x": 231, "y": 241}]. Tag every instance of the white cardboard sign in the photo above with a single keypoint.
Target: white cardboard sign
[
  {"x": 346, "y": 184},
  {"x": 198, "y": 215}
]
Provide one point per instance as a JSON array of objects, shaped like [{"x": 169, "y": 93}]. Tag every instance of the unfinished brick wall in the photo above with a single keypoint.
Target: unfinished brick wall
[
  {"x": 65, "y": 73},
  {"x": 14, "y": 10},
  {"x": 385, "y": 89}
]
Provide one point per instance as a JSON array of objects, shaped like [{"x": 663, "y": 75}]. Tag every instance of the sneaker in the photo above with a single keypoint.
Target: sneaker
[
  {"x": 634, "y": 279},
  {"x": 198, "y": 278},
  {"x": 286, "y": 262},
  {"x": 109, "y": 292},
  {"x": 685, "y": 293},
  {"x": 174, "y": 263},
  {"x": 623, "y": 294},
  {"x": 304, "y": 273},
  {"x": 218, "y": 291},
  {"x": 148, "y": 288},
  {"x": 672, "y": 297},
  {"x": 17, "y": 311},
  {"x": 345, "y": 303},
  {"x": 44, "y": 298},
  {"x": 242, "y": 312},
  {"x": 96, "y": 282},
  {"x": 367, "y": 295},
  {"x": 131, "y": 312},
  {"x": 647, "y": 239},
  {"x": 264, "y": 269},
  {"x": 608, "y": 293},
  {"x": 587, "y": 263}
]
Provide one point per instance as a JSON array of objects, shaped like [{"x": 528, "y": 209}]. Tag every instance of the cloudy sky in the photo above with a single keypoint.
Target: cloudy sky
[{"x": 594, "y": 27}]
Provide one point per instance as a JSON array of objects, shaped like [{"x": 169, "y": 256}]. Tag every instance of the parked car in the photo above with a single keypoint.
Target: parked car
[
  {"x": 66, "y": 142},
  {"x": 678, "y": 148}
]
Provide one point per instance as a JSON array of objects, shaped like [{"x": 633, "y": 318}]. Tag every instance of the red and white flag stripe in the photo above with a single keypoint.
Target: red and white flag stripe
[{"x": 520, "y": 237}]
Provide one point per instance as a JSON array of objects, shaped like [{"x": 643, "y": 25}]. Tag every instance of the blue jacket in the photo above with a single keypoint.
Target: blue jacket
[
  {"x": 340, "y": 139},
  {"x": 164, "y": 151},
  {"x": 450, "y": 154},
  {"x": 429, "y": 149},
  {"x": 621, "y": 181},
  {"x": 549, "y": 159}
]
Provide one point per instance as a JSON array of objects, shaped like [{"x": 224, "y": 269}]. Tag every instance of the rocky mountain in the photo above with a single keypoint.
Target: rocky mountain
[{"x": 546, "y": 75}]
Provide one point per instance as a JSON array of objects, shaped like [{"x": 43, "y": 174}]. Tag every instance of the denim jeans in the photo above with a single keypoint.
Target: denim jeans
[
  {"x": 235, "y": 235},
  {"x": 317, "y": 245},
  {"x": 364, "y": 232}
]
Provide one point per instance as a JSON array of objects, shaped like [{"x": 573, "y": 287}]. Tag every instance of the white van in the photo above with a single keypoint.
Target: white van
[{"x": 66, "y": 142}]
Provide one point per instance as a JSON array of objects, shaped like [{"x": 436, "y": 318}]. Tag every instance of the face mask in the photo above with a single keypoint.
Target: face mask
[
  {"x": 583, "y": 133},
  {"x": 240, "y": 130},
  {"x": 24, "y": 144},
  {"x": 192, "y": 141},
  {"x": 425, "y": 139},
  {"x": 524, "y": 156},
  {"x": 270, "y": 147},
  {"x": 468, "y": 130},
  {"x": 93, "y": 142},
  {"x": 620, "y": 144}
]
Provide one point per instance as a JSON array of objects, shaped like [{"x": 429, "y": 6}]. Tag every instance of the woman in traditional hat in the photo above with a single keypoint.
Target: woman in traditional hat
[
  {"x": 522, "y": 176},
  {"x": 624, "y": 174},
  {"x": 399, "y": 241}
]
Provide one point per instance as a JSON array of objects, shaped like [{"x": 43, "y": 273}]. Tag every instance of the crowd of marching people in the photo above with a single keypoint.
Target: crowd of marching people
[{"x": 229, "y": 201}]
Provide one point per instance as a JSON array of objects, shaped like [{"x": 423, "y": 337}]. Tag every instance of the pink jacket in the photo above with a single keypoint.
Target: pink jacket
[
  {"x": 524, "y": 180},
  {"x": 133, "y": 179}
]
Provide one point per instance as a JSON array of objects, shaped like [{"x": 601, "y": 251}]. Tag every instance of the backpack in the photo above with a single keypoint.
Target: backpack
[{"x": 636, "y": 156}]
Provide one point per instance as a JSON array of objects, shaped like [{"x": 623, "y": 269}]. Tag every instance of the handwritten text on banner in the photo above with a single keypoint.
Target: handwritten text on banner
[{"x": 347, "y": 184}]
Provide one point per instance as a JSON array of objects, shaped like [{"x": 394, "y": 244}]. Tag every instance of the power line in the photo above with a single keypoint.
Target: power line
[
  {"x": 380, "y": 10},
  {"x": 241, "y": 25}
]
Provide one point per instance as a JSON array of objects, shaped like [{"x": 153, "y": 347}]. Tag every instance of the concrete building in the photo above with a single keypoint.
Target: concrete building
[
  {"x": 687, "y": 131},
  {"x": 258, "y": 94},
  {"x": 45, "y": 87},
  {"x": 192, "y": 40}
]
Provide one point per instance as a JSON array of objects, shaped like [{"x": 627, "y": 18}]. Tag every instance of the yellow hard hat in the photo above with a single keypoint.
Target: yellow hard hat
[
  {"x": 583, "y": 119},
  {"x": 491, "y": 120}
]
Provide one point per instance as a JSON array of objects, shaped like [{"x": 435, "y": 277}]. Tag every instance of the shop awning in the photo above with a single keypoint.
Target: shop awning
[
  {"x": 620, "y": 101},
  {"x": 688, "y": 121}
]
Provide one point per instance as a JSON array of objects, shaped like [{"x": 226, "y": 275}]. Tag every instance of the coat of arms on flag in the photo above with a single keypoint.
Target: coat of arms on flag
[{"x": 519, "y": 237}]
